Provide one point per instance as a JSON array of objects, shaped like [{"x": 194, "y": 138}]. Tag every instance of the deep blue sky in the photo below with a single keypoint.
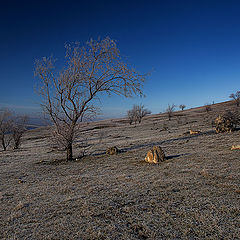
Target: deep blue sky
[{"x": 191, "y": 47}]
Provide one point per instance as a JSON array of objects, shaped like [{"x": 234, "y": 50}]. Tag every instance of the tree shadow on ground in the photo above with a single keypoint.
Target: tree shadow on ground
[
  {"x": 139, "y": 146},
  {"x": 188, "y": 137}
]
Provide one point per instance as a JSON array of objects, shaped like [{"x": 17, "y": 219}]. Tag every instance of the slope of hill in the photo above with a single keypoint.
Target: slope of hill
[{"x": 194, "y": 194}]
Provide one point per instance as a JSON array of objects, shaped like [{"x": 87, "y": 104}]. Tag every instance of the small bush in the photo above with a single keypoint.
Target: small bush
[{"x": 226, "y": 122}]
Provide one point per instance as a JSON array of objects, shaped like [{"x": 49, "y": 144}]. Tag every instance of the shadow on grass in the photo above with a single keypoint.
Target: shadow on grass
[
  {"x": 188, "y": 137},
  {"x": 173, "y": 156},
  {"x": 124, "y": 150}
]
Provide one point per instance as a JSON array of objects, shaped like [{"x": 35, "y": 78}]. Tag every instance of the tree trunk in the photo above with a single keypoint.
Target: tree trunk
[
  {"x": 69, "y": 153},
  {"x": 3, "y": 144}
]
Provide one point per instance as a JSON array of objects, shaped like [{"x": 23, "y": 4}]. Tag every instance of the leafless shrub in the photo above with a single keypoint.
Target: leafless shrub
[
  {"x": 182, "y": 106},
  {"x": 142, "y": 112},
  {"x": 208, "y": 107},
  {"x": 235, "y": 97},
  {"x": 18, "y": 129},
  {"x": 6, "y": 124},
  {"x": 70, "y": 95},
  {"x": 137, "y": 113},
  {"x": 170, "y": 109}
]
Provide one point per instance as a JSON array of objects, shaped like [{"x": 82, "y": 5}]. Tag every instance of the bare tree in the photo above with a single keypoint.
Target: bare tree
[
  {"x": 131, "y": 116},
  {"x": 142, "y": 112},
  {"x": 170, "y": 109},
  {"x": 182, "y": 106},
  {"x": 207, "y": 107},
  {"x": 137, "y": 113},
  {"x": 5, "y": 128},
  {"x": 18, "y": 129},
  {"x": 71, "y": 94},
  {"x": 236, "y": 97}
]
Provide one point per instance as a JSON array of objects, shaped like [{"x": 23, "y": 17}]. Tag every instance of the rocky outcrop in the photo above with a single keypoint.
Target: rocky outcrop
[{"x": 155, "y": 155}]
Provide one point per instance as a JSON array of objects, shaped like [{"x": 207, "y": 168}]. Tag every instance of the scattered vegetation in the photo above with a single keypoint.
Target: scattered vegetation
[{"x": 123, "y": 197}]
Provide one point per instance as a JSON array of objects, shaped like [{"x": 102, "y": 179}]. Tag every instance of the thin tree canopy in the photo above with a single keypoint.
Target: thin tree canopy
[{"x": 69, "y": 94}]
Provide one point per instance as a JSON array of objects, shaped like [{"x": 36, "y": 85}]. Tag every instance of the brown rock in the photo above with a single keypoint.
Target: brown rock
[
  {"x": 155, "y": 155},
  {"x": 112, "y": 150},
  {"x": 235, "y": 147}
]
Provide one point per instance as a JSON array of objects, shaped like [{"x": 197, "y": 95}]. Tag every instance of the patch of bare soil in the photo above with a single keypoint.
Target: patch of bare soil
[{"x": 194, "y": 194}]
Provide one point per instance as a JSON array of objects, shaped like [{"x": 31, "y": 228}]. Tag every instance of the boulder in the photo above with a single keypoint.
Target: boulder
[
  {"x": 112, "y": 150},
  {"x": 235, "y": 147},
  {"x": 155, "y": 155}
]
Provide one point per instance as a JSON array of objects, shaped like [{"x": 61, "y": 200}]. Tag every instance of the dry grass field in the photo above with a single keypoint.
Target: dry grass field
[{"x": 194, "y": 194}]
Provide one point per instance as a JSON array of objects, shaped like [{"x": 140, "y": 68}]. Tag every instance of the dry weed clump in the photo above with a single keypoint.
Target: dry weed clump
[{"x": 226, "y": 122}]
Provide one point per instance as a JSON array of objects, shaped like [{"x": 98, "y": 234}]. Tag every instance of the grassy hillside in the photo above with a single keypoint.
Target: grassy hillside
[{"x": 194, "y": 194}]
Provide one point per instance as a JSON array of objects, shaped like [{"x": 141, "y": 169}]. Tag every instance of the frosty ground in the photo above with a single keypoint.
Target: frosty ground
[{"x": 194, "y": 194}]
